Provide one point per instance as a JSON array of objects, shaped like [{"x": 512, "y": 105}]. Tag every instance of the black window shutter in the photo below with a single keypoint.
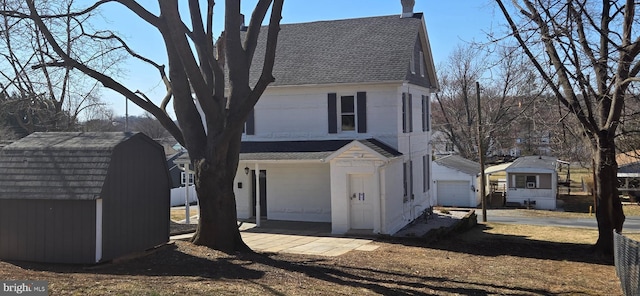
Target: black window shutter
[
  {"x": 425, "y": 113},
  {"x": 404, "y": 112},
  {"x": 428, "y": 108},
  {"x": 332, "y": 113},
  {"x": 250, "y": 124},
  {"x": 362, "y": 112},
  {"x": 410, "y": 113}
]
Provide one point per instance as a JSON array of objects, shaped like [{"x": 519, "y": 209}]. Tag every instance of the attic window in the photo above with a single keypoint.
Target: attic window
[
  {"x": 412, "y": 64},
  {"x": 421, "y": 64}
]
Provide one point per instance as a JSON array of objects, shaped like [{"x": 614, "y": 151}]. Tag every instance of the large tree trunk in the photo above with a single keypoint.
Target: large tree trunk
[
  {"x": 214, "y": 179},
  {"x": 609, "y": 213}
]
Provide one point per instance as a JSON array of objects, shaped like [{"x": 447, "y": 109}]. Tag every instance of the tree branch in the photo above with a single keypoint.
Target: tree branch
[{"x": 104, "y": 79}]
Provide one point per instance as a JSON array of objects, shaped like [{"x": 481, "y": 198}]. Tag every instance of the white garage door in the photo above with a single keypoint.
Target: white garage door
[{"x": 454, "y": 193}]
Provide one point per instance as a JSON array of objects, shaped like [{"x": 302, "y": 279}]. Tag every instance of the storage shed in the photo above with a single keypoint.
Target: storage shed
[
  {"x": 82, "y": 197},
  {"x": 533, "y": 181},
  {"x": 456, "y": 180}
]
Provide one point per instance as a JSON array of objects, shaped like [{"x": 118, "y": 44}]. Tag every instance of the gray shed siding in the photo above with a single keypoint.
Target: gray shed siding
[
  {"x": 136, "y": 198},
  {"x": 48, "y": 230},
  {"x": 51, "y": 184}
]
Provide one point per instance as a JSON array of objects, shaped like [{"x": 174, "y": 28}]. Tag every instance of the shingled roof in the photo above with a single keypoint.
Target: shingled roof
[
  {"x": 57, "y": 165},
  {"x": 459, "y": 163},
  {"x": 372, "y": 49}
]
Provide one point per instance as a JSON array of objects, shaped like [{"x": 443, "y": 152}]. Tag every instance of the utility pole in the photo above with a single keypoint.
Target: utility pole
[{"x": 481, "y": 155}]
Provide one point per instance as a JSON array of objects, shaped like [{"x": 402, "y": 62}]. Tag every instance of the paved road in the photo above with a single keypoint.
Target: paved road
[{"x": 631, "y": 224}]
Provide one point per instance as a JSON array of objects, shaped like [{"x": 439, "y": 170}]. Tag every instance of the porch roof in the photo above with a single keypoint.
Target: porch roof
[{"x": 305, "y": 150}]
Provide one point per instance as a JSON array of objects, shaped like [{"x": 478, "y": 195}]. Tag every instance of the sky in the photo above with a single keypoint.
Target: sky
[{"x": 449, "y": 24}]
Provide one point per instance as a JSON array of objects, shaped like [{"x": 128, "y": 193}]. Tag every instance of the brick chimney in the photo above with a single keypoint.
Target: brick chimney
[{"x": 407, "y": 8}]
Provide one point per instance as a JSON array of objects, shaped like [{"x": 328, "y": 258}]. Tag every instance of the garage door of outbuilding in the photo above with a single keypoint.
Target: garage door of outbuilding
[{"x": 454, "y": 193}]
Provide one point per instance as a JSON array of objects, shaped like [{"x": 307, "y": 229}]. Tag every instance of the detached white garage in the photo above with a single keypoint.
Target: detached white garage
[{"x": 456, "y": 181}]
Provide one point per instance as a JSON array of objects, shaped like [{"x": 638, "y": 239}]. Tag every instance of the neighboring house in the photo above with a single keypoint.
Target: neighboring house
[
  {"x": 629, "y": 173},
  {"x": 533, "y": 181},
  {"x": 456, "y": 181},
  {"x": 82, "y": 197},
  {"x": 342, "y": 135},
  {"x": 441, "y": 144}
]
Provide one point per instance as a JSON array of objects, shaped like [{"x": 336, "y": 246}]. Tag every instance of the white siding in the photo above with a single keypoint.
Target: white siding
[
  {"x": 301, "y": 113},
  {"x": 306, "y": 112},
  {"x": 295, "y": 192},
  {"x": 444, "y": 174}
]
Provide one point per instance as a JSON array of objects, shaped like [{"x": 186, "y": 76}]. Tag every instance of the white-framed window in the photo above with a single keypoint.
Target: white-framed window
[
  {"x": 449, "y": 147},
  {"x": 525, "y": 181},
  {"x": 347, "y": 113}
]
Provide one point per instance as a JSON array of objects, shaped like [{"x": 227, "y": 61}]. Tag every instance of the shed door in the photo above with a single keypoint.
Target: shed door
[
  {"x": 361, "y": 202},
  {"x": 454, "y": 193}
]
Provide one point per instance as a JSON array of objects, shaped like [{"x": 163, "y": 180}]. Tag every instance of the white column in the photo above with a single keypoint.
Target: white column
[{"x": 257, "y": 173}]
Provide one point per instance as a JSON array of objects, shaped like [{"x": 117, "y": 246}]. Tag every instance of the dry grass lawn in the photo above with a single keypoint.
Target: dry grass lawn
[{"x": 491, "y": 259}]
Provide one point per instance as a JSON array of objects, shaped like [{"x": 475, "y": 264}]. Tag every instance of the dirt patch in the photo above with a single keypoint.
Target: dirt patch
[{"x": 488, "y": 259}]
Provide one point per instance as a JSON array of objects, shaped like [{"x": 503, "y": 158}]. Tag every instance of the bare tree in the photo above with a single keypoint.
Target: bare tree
[
  {"x": 197, "y": 70},
  {"x": 148, "y": 125},
  {"x": 587, "y": 52},
  {"x": 507, "y": 80},
  {"x": 45, "y": 98},
  {"x": 455, "y": 112}
]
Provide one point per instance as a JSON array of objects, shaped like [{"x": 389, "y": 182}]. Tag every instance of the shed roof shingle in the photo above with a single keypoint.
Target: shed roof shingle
[{"x": 57, "y": 165}]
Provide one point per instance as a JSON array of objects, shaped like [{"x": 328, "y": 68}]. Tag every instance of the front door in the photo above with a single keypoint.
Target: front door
[
  {"x": 263, "y": 192},
  {"x": 361, "y": 201}
]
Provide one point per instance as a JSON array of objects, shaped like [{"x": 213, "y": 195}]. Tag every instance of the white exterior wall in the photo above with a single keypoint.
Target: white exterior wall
[
  {"x": 397, "y": 212},
  {"x": 305, "y": 109},
  {"x": 545, "y": 198},
  {"x": 295, "y": 192},
  {"x": 340, "y": 199},
  {"x": 443, "y": 173},
  {"x": 414, "y": 145},
  {"x": 388, "y": 208},
  {"x": 306, "y": 112}
]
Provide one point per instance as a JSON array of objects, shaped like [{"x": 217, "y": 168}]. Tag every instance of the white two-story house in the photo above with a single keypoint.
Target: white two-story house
[{"x": 342, "y": 135}]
